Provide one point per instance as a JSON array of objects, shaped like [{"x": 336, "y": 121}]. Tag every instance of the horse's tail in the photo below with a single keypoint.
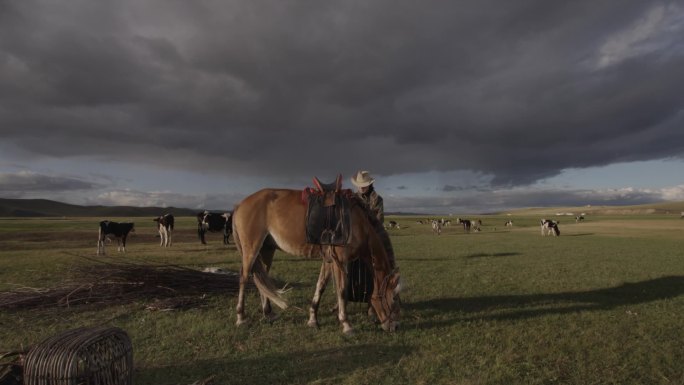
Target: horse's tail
[
  {"x": 261, "y": 279},
  {"x": 236, "y": 238},
  {"x": 266, "y": 286}
]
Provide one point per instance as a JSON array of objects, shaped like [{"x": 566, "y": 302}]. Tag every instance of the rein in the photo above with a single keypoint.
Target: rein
[{"x": 383, "y": 297}]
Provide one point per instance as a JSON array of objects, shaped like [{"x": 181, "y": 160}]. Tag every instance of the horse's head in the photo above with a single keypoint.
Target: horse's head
[{"x": 386, "y": 301}]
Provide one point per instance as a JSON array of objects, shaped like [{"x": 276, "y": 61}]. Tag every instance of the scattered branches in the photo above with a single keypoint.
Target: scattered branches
[{"x": 109, "y": 283}]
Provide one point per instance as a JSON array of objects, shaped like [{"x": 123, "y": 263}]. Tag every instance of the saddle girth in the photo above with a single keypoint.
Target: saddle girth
[{"x": 328, "y": 216}]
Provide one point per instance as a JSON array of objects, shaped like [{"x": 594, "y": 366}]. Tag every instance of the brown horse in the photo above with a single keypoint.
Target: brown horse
[{"x": 273, "y": 219}]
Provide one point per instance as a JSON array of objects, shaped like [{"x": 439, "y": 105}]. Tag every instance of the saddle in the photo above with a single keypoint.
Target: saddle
[{"x": 328, "y": 216}]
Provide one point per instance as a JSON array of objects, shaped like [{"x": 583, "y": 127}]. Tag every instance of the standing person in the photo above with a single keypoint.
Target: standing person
[
  {"x": 365, "y": 190},
  {"x": 364, "y": 183},
  {"x": 359, "y": 286}
]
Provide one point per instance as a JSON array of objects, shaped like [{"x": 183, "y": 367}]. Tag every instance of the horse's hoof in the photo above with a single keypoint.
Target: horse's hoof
[
  {"x": 348, "y": 333},
  {"x": 241, "y": 320},
  {"x": 313, "y": 324}
]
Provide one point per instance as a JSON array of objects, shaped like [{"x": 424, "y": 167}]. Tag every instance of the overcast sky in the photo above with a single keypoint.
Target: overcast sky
[{"x": 453, "y": 106}]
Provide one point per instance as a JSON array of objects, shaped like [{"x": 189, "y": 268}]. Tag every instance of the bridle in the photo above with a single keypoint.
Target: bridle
[{"x": 383, "y": 298}]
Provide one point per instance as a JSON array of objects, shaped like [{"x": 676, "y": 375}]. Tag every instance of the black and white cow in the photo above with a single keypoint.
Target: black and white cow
[
  {"x": 549, "y": 227},
  {"x": 165, "y": 227},
  {"x": 509, "y": 223},
  {"x": 214, "y": 222},
  {"x": 476, "y": 224},
  {"x": 117, "y": 230},
  {"x": 436, "y": 227},
  {"x": 579, "y": 218}
]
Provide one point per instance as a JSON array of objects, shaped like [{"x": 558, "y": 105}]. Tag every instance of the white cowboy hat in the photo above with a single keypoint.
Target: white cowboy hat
[{"x": 362, "y": 179}]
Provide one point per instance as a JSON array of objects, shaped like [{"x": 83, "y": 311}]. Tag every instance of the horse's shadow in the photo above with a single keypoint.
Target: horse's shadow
[
  {"x": 303, "y": 367},
  {"x": 513, "y": 307}
]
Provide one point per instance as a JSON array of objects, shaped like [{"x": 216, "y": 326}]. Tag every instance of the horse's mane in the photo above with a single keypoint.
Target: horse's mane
[{"x": 358, "y": 201}]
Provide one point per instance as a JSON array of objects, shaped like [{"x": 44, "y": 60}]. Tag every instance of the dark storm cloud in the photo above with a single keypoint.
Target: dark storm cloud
[
  {"x": 214, "y": 202},
  {"x": 28, "y": 182},
  {"x": 448, "y": 188},
  {"x": 500, "y": 201},
  {"x": 517, "y": 90}
]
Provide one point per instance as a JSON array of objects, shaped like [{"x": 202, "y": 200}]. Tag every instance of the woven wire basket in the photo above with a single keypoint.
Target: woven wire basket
[{"x": 93, "y": 356}]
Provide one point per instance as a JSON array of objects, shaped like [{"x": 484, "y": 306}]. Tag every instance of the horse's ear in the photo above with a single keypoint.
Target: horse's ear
[{"x": 317, "y": 183}]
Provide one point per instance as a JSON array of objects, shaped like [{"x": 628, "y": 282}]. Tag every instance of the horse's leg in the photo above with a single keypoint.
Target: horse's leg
[
  {"x": 240, "y": 308},
  {"x": 340, "y": 286},
  {"x": 266, "y": 255},
  {"x": 249, "y": 252},
  {"x": 323, "y": 278}
]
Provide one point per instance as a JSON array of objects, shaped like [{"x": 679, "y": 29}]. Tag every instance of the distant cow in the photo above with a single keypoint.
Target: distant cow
[
  {"x": 437, "y": 227},
  {"x": 509, "y": 223},
  {"x": 393, "y": 224},
  {"x": 465, "y": 222},
  {"x": 165, "y": 227},
  {"x": 110, "y": 229},
  {"x": 476, "y": 224},
  {"x": 214, "y": 222},
  {"x": 579, "y": 218},
  {"x": 549, "y": 227}
]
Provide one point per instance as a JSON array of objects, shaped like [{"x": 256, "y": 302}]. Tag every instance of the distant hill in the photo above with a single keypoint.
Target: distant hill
[
  {"x": 49, "y": 208},
  {"x": 653, "y": 208}
]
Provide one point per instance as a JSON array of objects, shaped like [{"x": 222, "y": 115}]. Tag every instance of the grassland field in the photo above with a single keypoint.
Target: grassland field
[{"x": 603, "y": 303}]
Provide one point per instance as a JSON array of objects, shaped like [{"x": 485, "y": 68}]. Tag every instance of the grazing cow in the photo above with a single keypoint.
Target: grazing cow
[
  {"x": 476, "y": 225},
  {"x": 165, "y": 227},
  {"x": 549, "y": 227},
  {"x": 509, "y": 223},
  {"x": 579, "y": 218},
  {"x": 465, "y": 222},
  {"x": 113, "y": 229},
  {"x": 437, "y": 227},
  {"x": 214, "y": 222},
  {"x": 393, "y": 224}
]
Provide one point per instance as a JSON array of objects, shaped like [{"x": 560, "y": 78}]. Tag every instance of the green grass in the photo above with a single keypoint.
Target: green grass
[{"x": 601, "y": 304}]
